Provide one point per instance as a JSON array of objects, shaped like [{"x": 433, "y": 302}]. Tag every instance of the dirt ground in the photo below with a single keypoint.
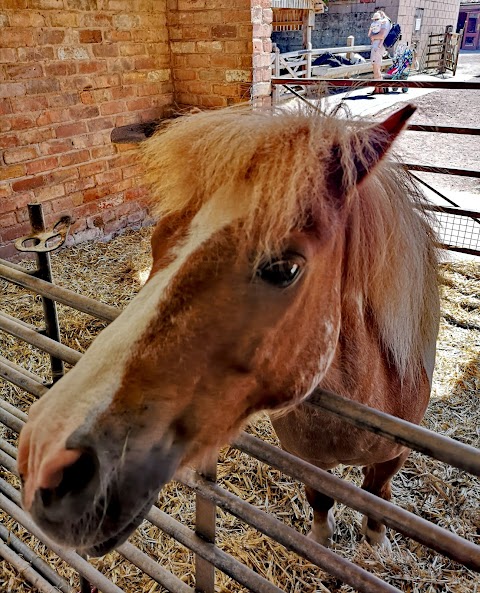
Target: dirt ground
[{"x": 448, "y": 108}]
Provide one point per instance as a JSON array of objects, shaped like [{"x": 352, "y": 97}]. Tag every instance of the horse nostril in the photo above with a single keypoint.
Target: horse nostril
[{"x": 75, "y": 478}]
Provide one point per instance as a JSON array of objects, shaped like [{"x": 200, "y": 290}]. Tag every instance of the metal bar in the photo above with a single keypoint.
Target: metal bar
[
  {"x": 35, "y": 561},
  {"x": 398, "y": 430},
  {"x": 10, "y": 420},
  {"x": 456, "y": 211},
  {"x": 19, "y": 368},
  {"x": 58, "y": 293},
  {"x": 8, "y": 448},
  {"x": 435, "y": 191},
  {"x": 159, "y": 574},
  {"x": 441, "y": 170},
  {"x": 29, "y": 325},
  {"x": 11, "y": 505},
  {"x": 205, "y": 521},
  {"x": 223, "y": 561},
  {"x": 358, "y": 83},
  {"x": 443, "y": 129},
  {"x": 460, "y": 249},
  {"x": 348, "y": 572},
  {"x": 32, "y": 337},
  {"x": 44, "y": 272},
  {"x": 13, "y": 410},
  {"x": 26, "y": 570},
  {"x": 21, "y": 379},
  {"x": 8, "y": 462},
  {"x": 419, "y": 529}
]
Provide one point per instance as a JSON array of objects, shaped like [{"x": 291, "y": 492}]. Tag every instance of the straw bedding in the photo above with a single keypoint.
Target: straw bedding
[{"x": 113, "y": 272}]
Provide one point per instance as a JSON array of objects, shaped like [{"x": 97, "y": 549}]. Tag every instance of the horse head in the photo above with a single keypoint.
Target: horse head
[{"x": 241, "y": 312}]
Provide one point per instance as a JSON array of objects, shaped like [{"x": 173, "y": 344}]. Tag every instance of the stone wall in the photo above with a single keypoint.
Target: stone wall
[{"x": 73, "y": 70}]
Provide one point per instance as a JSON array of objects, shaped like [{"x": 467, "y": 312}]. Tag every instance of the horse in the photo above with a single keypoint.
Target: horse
[{"x": 288, "y": 255}]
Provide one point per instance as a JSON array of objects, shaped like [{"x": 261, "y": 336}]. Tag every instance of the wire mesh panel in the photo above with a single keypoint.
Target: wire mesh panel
[{"x": 459, "y": 230}]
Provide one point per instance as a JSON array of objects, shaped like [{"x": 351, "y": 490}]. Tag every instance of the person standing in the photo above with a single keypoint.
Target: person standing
[{"x": 379, "y": 29}]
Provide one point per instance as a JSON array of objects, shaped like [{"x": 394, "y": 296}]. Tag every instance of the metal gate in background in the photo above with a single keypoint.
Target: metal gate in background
[{"x": 441, "y": 52}]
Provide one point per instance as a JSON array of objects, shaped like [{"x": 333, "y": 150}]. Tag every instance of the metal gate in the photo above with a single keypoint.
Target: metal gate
[{"x": 442, "y": 52}]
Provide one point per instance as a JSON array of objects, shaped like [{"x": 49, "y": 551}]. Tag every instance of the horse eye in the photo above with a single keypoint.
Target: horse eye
[{"x": 281, "y": 272}]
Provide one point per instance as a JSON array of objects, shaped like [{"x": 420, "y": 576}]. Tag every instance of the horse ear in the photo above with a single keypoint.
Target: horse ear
[{"x": 381, "y": 137}]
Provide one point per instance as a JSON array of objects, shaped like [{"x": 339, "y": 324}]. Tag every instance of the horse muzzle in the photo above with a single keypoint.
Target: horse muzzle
[{"x": 98, "y": 502}]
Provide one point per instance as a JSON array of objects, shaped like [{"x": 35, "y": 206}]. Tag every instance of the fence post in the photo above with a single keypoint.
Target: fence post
[
  {"x": 276, "y": 74},
  {"x": 205, "y": 523},
  {"x": 350, "y": 43}
]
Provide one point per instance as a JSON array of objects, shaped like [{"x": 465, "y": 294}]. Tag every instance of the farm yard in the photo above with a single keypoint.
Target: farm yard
[{"x": 113, "y": 273}]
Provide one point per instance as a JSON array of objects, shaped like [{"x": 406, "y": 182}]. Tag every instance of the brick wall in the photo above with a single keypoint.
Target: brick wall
[
  {"x": 69, "y": 73},
  {"x": 72, "y": 70},
  {"x": 212, "y": 44}
]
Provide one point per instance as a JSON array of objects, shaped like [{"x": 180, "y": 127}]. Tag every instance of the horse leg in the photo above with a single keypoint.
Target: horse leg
[
  {"x": 323, "y": 525},
  {"x": 377, "y": 480}
]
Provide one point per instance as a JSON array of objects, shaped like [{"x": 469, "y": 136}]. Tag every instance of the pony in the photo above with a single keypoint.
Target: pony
[{"x": 289, "y": 254}]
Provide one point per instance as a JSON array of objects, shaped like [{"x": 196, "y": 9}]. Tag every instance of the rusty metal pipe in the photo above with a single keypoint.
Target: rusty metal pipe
[
  {"x": 58, "y": 293},
  {"x": 26, "y": 570},
  {"x": 10, "y": 503},
  {"x": 13, "y": 410},
  {"x": 348, "y": 572},
  {"x": 419, "y": 529},
  {"x": 10, "y": 420},
  {"x": 159, "y": 574},
  {"x": 35, "y": 561},
  {"x": 21, "y": 379},
  {"x": 32, "y": 337},
  {"x": 223, "y": 561},
  {"x": 398, "y": 430}
]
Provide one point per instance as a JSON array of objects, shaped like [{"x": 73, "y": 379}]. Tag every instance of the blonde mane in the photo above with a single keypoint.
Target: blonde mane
[{"x": 390, "y": 261}]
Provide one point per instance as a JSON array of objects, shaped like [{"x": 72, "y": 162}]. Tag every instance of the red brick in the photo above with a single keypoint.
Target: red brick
[
  {"x": 73, "y": 158},
  {"x": 7, "y": 55},
  {"x": 18, "y": 155},
  {"x": 9, "y": 140},
  {"x": 41, "y": 165},
  {"x": 21, "y": 104},
  {"x": 18, "y": 37},
  {"x": 41, "y": 86},
  {"x": 112, "y": 107},
  {"x": 14, "y": 232},
  {"x": 69, "y": 130},
  {"x": 12, "y": 89},
  {"x": 35, "y": 136},
  {"x": 108, "y": 177},
  {"x": 56, "y": 146},
  {"x": 224, "y": 31},
  {"x": 109, "y": 50},
  {"x": 103, "y": 123},
  {"x": 60, "y": 69},
  {"x": 5, "y": 107},
  {"x": 90, "y": 36},
  {"x": 28, "y": 184},
  {"x": 63, "y": 100},
  {"x": 118, "y": 36},
  {"x": 21, "y": 122},
  {"x": 51, "y": 37},
  {"x": 52, "y": 116},
  {"x": 12, "y": 172},
  {"x": 24, "y": 71},
  {"x": 103, "y": 151},
  {"x": 97, "y": 193},
  {"x": 79, "y": 185},
  {"x": 7, "y": 220},
  {"x": 83, "y": 112},
  {"x": 91, "y": 67},
  {"x": 49, "y": 193},
  {"x": 136, "y": 193},
  {"x": 92, "y": 168},
  {"x": 33, "y": 54},
  {"x": 62, "y": 175}
]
